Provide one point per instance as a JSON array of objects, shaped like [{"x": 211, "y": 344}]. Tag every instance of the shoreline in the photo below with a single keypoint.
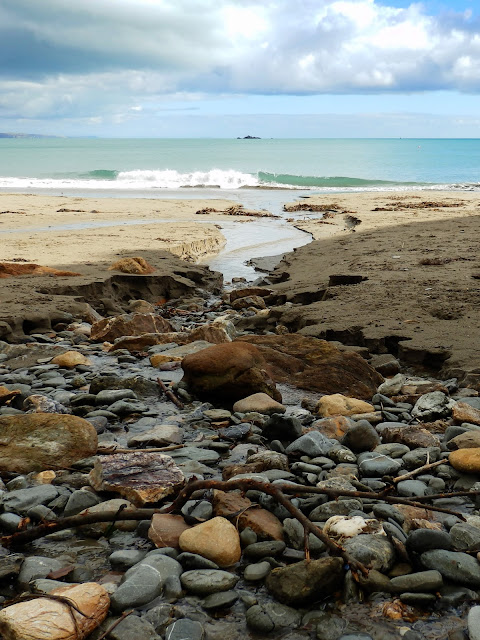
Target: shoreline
[{"x": 416, "y": 252}]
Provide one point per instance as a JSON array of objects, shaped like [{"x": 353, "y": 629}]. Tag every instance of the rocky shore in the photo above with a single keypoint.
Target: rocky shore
[{"x": 181, "y": 464}]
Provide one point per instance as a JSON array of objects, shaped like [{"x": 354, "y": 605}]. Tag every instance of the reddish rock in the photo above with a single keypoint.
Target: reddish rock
[
  {"x": 463, "y": 412},
  {"x": 466, "y": 460},
  {"x": 334, "y": 427},
  {"x": 166, "y": 529},
  {"x": 230, "y": 371},
  {"x": 412, "y": 436},
  {"x": 249, "y": 301},
  {"x": 140, "y": 476},
  {"x": 315, "y": 365},
  {"x": 232, "y": 505},
  {"x": 236, "y": 294},
  {"x": 146, "y": 340},
  {"x": 129, "y": 324},
  {"x": 70, "y": 359}
]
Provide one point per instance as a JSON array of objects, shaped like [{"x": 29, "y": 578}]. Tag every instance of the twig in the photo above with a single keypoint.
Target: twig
[
  {"x": 415, "y": 472},
  {"x": 109, "y": 449},
  {"x": 124, "y": 615},
  {"x": 170, "y": 395}
]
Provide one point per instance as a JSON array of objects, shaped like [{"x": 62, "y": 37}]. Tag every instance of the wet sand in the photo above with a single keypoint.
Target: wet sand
[{"x": 418, "y": 252}]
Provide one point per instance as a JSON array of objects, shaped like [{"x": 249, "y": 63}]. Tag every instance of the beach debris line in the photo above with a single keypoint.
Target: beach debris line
[{"x": 236, "y": 210}]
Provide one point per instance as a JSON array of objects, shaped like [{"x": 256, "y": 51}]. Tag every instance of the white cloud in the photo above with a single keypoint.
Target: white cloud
[{"x": 99, "y": 57}]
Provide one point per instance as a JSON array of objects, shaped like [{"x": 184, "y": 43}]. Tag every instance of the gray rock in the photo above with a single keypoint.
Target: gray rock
[
  {"x": 386, "y": 511},
  {"x": 9, "y": 522},
  {"x": 418, "y": 599},
  {"x": 203, "y": 582},
  {"x": 10, "y": 565},
  {"x": 356, "y": 636},
  {"x": 453, "y": 595},
  {"x": 140, "y": 587},
  {"x": 124, "y": 559},
  {"x": 361, "y": 437},
  {"x": 421, "y": 540},
  {"x": 473, "y": 623},
  {"x": 392, "y": 386},
  {"x": 418, "y": 457},
  {"x": 375, "y": 552},
  {"x": 184, "y": 629},
  {"x": 80, "y": 500},
  {"x": 311, "y": 444},
  {"x": 263, "y": 549},
  {"x": 271, "y": 616},
  {"x": 220, "y": 600},
  {"x": 417, "y": 582},
  {"x": 432, "y": 406},
  {"x": 199, "y": 454},
  {"x": 197, "y": 510},
  {"x": 257, "y": 571},
  {"x": 473, "y": 402},
  {"x": 282, "y": 427},
  {"x": 133, "y": 628},
  {"x": 293, "y": 530},
  {"x": 37, "y": 567},
  {"x": 22, "y": 500},
  {"x": 340, "y": 507},
  {"x": 373, "y": 464},
  {"x": 465, "y": 537},
  {"x": 194, "y": 561},
  {"x": 126, "y": 407},
  {"x": 409, "y": 488},
  {"x": 455, "y": 566}
]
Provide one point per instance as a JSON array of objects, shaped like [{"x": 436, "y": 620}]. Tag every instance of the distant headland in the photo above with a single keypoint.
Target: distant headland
[
  {"x": 248, "y": 138},
  {"x": 25, "y": 135}
]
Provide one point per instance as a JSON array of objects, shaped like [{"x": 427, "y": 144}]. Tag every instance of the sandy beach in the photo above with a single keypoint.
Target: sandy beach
[{"x": 417, "y": 253}]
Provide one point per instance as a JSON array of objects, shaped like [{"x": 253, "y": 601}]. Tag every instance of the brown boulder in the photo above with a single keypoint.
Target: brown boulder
[
  {"x": 140, "y": 476},
  {"x": 316, "y": 365},
  {"x": 231, "y": 371},
  {"x": 40, "y": 441},
  {"x": 467, "y": 440},
  {"x": 215, "y": 333},
  {"x": 129, "y": 324},
  {"x": 249, "y": 301}
]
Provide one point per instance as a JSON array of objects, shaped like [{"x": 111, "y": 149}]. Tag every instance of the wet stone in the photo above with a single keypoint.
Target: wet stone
[
  {"x": 257, "y": 571},
  {"x": 373, "y": 464},
  {"x": 183, "y": 629},
  {"x": 220, "y": 600},
  {"x": 271, "y": 616},
  {"x": 264, "y": 549},
  {"x": 203, "y": 582},
  {"x": 133, "y": 628},
  {"x": 194, "y": 561},
  {"x": 455, "y": 566}
]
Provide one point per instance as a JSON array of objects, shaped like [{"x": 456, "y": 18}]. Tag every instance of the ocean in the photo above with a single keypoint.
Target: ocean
[{"x": 152, "y": 167}]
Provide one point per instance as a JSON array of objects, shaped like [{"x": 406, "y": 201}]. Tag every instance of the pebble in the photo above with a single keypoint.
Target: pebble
[
  {"x": 203, "y": 582},
  {"x": 257, "y": 571}
]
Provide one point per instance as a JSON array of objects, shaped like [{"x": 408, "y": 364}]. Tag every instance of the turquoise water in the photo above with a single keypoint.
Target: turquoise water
[{"x": 146, "y": 166}]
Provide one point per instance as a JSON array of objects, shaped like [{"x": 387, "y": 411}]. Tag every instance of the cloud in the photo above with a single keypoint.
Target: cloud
[{"x": 99, "y": 57}]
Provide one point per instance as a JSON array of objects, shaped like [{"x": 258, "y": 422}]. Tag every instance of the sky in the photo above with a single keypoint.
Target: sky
[{"x": 227, "y": 68}]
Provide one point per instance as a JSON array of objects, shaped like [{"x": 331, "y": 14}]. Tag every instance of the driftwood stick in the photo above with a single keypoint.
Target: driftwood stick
[
  {"x": 110, "y": 449},
  {"x": 415, "y": 472},
  {"x": 276, "y": 491},
  {"x": 170, "y": 395}
]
